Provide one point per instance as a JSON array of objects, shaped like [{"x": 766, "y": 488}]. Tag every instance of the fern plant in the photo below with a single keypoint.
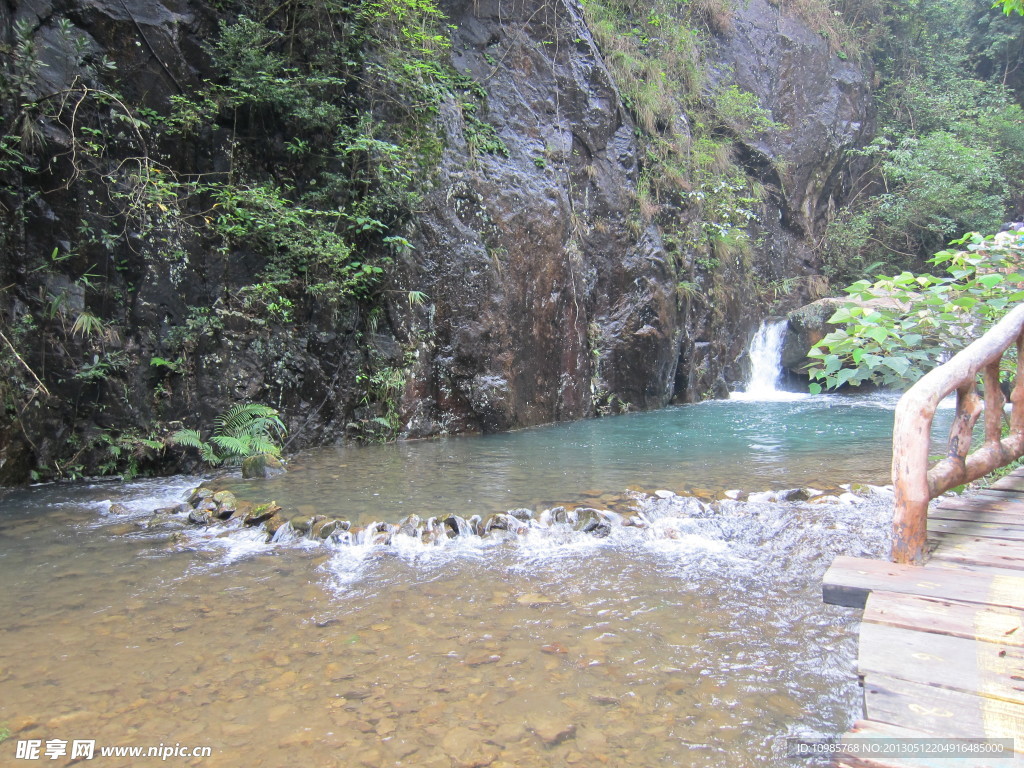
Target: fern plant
[{"x": 244, "y": 430}]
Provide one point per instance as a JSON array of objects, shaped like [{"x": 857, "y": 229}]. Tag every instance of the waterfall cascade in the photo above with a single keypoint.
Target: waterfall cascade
[{"x": 766, "y": 364}]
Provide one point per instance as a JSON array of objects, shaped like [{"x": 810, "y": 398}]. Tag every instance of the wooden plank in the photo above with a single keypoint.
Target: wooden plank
[
  {"x": 977, "y": 528},
  {"x": 995, "y": 491},
  {"x": 1011, "y": 482},
  {"x": 942, "y": 711},
  {"x": 996, "y": 495},
  {"x": 849, "y": 580},
  {"x": 984, "y": 570},
  {"x": 947, "y": 617},
  {"x": 1007, "y": 505},
  {"x": 975, "y": 549},
  {"x": 985, "y": 669},
  {"x": 981, "y": 515},
  {"x": 870, "y": 729}
]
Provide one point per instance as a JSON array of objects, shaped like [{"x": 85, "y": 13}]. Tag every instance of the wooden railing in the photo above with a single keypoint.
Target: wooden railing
[{"x": 914, "y": 483}]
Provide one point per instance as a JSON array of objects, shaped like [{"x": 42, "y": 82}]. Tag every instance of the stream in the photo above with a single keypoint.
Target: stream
[{"x": 698, "y": 640}]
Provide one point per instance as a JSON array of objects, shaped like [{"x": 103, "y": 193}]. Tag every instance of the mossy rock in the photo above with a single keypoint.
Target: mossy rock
[
  {"x": 198, "y": 495},
  {"x": 262, "y": 465},
  {"x": 261, "y": 513},
  {"x": 226, "y": 503}
]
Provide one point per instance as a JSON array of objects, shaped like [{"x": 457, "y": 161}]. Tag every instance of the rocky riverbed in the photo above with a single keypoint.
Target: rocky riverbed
[{"x": 676, "y": 630}]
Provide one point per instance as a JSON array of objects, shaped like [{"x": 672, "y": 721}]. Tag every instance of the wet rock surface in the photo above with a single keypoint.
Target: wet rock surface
[
  {"x": 824, "y": 99},
  {"x": 805, "y": 327},
  {"x": 262, "y": 465}
]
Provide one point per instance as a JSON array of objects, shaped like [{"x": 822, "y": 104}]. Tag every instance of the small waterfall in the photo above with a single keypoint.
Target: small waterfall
[
  {"x": 766, "y": 364},
  {"x": 766, "y": 358}
]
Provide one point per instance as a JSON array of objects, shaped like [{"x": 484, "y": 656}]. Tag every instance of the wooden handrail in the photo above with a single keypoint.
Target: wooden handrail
[{"x": 915, "y": 485}]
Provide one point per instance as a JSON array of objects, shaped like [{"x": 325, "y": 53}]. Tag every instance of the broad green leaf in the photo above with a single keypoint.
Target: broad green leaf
[
  {"x": 873, "y": 361},
  {"x": 898, "y": 364},
  {"x": 876, "y": 333},
  {"x": 842, "y": 315},
  {"x": 990, "y": 281},
  {"x": 846, "y": 376}
]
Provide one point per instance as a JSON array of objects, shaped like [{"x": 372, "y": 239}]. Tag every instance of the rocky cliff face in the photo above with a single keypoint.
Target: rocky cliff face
[
  {"x": 544, "y": 303},
  {"x": 825, "y": 103},
  {"x": 547, "y": 305},
  {"x": 547, "y": 297}
]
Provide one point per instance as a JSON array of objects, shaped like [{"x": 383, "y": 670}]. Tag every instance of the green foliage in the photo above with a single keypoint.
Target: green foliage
[
  {"x": 844, "y": 24},
  {"x": 266, "y": 298},
  {"x": 324, "y": 205},
  {"x": 383, "y": 385},
  {"x": 897, "y": 328},
  {"x": 87, "y": 324},
  {"x": 480, "y": 135},
  {"x": 355, "y": 185},
  {"x": 941, "y": 184},
  {"x": 200, "y": 322},
  {"x": 102, "y": 366},
  {"x": 950, "y": 152},
  {"x": 687, "y": 289},
  {"x": 172, "y": 365},
  {"x": 124, "y": 453},
  {"x": 319, "y": 128},
  {"x": 244, "y": 430}
]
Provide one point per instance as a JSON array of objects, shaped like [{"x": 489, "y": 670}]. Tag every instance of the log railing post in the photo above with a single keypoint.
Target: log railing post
[
  {"x": 910, "y": 480},
  {"x": 914, "y": 484}
]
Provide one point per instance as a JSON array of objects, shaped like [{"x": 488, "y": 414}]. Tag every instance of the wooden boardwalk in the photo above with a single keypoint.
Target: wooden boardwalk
[{"x": 942, "y": 645}]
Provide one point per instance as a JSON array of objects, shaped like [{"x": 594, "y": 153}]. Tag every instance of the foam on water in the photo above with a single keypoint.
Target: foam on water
[{"x": 237, "y": 544}]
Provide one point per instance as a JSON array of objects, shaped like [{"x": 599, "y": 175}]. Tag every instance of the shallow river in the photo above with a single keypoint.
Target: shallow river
[{"x": 700, "y": 640}]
